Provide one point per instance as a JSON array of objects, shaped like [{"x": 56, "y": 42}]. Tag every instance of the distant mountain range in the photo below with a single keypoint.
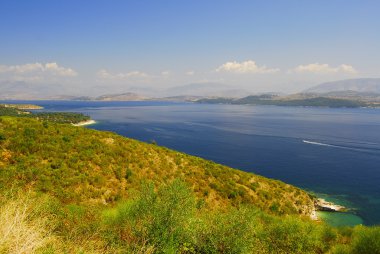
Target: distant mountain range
[
  {"x": 25, "y": 91},
  {"x": 122, "y": 97},
  {"x": 205, "y": 89},
  {"x": 343, "y": 93},
  {"x": 365, "y": 90},
  {"x": 363, "y": 85}
]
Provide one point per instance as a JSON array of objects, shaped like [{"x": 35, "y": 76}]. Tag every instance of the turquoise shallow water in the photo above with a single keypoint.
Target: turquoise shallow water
[
  {"x": 335, "y": 152},
  {"x": 340, "y": 219},
  {"x": 348, "y": 218}
]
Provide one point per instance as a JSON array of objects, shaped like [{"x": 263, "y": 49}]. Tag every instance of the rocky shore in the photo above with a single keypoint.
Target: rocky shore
[{"x": 323, "y": 205}]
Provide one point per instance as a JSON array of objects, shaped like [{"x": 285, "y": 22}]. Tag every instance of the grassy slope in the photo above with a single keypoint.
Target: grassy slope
[{"x": 78, "y": 165}]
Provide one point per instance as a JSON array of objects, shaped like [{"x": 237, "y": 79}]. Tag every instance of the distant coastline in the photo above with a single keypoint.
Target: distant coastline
[{"x": 22, "y": 106}]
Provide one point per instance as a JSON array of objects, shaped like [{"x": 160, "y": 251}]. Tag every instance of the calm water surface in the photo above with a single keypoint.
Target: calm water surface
[{"x": 332, "y": 152}]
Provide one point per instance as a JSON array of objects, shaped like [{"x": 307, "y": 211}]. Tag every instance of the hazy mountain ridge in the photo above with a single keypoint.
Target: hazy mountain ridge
[
  {"x": 362, "y": 85},
  {"x": 365, "y": 89},
  {"x": 26, "y": 91},
  {"x": 206, "y": 89},
  {"x": 343, "y": 93},
  {"x": 122, "y": 97}
]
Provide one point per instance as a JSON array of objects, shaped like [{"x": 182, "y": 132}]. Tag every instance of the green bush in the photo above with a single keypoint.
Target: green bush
[
  {"x": 234, "y": 231},
  {"x": 292, "y": 235},
  {"x": 366, "y": 240},
  {"x": 161, "y": 219}
]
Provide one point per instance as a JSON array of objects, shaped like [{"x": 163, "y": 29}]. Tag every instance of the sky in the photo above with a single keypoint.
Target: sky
[{"x": 95, "y": 47}]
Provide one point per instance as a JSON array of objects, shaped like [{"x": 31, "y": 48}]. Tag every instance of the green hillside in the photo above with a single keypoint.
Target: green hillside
[
  {"x": 67, "y": 189},
  {"x": 82, "y": 165}
]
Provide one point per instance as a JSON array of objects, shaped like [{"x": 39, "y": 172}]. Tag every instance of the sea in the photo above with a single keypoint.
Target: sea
[{"x": 331, "y": 152}]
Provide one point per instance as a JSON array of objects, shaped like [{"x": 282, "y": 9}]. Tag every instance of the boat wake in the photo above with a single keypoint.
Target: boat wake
[
  {"x": 320, "y": 144},
  {"x": 358, "y": 149}
]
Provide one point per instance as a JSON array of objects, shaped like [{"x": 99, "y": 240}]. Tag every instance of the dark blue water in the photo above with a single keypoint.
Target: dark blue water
[{"x": 328, "y": 151}]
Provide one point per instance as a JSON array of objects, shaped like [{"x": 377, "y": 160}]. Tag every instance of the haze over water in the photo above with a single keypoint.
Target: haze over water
[{"x": 328, "y": 151}]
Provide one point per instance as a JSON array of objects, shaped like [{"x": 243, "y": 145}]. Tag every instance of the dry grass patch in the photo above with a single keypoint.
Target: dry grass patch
[{"x": 25, "y": 226}]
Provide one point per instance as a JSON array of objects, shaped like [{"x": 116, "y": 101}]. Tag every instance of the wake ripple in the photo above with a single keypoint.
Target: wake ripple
[{"x": 358, "y": 149}]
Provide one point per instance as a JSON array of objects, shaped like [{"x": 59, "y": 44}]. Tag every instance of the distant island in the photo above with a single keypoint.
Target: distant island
[{"x": 306, "y": 101}]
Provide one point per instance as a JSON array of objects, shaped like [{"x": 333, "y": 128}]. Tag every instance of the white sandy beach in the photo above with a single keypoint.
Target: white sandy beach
[{"x": 89, "y": 122}]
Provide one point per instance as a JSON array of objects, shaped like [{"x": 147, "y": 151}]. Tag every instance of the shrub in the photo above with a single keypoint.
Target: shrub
[
  {"x": 366, "y": 240},
  {"x": 233, "y": 231},
  {"x": 157, "y": 219},
  {"x": 292, "y": 235}
]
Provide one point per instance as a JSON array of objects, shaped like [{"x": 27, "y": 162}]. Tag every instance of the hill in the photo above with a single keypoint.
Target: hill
[
  {"x": 363, "y": 85},
  {"x": 66, "y": 189},
  {"x": 82, "y": 165}
]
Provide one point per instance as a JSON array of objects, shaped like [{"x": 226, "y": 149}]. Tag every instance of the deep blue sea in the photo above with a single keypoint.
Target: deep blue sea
[{"x": 332, "y": 152}]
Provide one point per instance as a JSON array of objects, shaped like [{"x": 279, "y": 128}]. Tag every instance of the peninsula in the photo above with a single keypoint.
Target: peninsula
[
  {"x": 24, "y": 110},
  {"x": 22, "y": 106}
]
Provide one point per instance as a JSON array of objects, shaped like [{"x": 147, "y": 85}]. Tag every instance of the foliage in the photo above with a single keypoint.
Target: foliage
[
  {"x": 366, "y": 240},
  {"x": 60, "y": 117},
  {"x": 167, "y": 220},
  {"x": 162, "y": 220}
]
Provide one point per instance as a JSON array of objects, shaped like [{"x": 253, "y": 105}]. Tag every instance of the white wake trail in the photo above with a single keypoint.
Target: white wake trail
[
  {"x": 340, "y": 147},
  {"x": 319, "y": 144}
]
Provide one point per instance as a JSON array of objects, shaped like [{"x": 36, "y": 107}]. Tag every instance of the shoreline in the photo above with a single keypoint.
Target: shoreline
[
  {"x": 88, "y": 122},
  {"x": 321, "y": 205}
]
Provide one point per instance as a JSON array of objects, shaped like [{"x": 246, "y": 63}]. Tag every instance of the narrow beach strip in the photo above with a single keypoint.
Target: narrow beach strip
[{"x": 88, "y": 122}]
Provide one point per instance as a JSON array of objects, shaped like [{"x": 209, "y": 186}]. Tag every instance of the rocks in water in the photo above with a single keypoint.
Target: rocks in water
[{"x": 323, "y": 205}]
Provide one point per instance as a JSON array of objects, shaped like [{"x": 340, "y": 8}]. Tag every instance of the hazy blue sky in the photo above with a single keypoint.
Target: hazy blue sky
[{"x": 255, "y": 45}]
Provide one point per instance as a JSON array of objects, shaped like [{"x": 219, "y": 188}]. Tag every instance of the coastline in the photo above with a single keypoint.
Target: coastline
[
  {"x": 321, "y": 205},
  {"x": 334, "y": 214},
  {"x": 88, "y": 122}
]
